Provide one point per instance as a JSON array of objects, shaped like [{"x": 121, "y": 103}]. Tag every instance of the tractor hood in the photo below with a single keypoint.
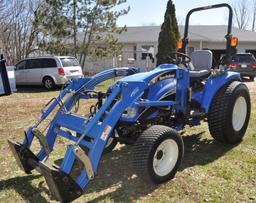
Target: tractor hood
[{"x": 148, "y": 76}]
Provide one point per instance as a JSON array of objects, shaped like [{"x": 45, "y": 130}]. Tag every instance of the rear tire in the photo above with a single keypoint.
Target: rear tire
[
  {"x": 229, "y": 113},
  {"x": 157, "y": 154},
  {"x": 48, "y": 83}
]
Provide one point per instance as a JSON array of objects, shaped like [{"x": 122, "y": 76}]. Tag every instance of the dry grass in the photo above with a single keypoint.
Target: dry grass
[{"x": 210, "y": 172}]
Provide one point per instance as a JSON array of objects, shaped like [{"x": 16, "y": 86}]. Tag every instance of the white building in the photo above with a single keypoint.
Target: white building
[{"x": 140, "y": 45}]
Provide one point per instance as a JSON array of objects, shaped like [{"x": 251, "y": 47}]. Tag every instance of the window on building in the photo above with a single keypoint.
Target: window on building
[{"x": 148, "y": 50}]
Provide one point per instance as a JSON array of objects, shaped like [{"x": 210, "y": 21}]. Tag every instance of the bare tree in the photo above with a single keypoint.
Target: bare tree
[
  {"x": 180, "y": 20},
  {"x": 17, "y": 28},
  {"x": 242, "y": 13}
]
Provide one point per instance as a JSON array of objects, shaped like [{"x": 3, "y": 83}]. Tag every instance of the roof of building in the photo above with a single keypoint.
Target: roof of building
[{"x": 208, "y": 33}]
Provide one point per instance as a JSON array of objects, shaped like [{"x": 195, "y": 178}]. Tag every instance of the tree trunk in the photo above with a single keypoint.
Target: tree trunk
[
  {"x": 84, "y": 39},
  {"x": 254, "y": 15},
  {"x": 74, "y": 26}
]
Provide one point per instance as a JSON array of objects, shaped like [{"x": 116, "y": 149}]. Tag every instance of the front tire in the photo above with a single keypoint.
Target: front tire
[
  {"x": 157, "y": 154},
  {"x": 229, "y": 113}
]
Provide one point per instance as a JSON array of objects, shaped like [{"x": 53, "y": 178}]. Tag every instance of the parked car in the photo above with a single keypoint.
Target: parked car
[
  {"x": 48, "y": 71},
  {"x": 245, "y": 64}
]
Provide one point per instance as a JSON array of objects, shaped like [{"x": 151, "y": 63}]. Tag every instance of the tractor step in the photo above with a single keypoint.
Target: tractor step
[
  {"x": 22, "y": 156},
  {"x": 62, "y": 187}
]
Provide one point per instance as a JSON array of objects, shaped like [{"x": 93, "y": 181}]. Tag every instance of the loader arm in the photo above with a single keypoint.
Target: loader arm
[
  {"x": 94, "y": 129},
  {"x": 97, "y": 129}
]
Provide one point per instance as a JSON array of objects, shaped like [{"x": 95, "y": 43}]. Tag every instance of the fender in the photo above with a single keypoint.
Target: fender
[{"x": 212, "y": 86}]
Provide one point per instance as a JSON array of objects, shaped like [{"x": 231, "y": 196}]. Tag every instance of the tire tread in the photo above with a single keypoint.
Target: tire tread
[
  {"x": 143, "y": 146},
  {"x": 218, "y": 113}
]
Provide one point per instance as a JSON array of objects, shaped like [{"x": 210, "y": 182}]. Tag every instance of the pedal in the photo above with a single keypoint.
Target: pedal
[
  {"x": 42, "y": 140},
  {"x": 79, "y": 153}
]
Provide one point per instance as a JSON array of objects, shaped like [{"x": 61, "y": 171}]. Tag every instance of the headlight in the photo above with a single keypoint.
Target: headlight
[{"x": 129, "y": 112}]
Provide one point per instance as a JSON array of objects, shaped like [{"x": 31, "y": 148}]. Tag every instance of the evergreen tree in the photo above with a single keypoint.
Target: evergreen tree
[
  {"x": 169, "y": 35},
  {"x": 63, "y": 22},
  {"x": 54, "y": 27}
]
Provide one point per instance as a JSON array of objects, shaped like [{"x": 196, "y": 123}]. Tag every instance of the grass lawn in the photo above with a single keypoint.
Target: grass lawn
[{"x": 210, "y": 172}]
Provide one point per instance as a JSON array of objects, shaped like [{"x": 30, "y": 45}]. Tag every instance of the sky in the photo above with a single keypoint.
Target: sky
[{"x": 151, "y": 12}]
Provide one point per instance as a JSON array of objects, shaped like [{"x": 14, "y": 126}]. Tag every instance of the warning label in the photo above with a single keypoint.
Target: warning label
[{"x": 105, "y": 133}]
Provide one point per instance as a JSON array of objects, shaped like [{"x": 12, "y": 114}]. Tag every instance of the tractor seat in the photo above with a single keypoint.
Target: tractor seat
[{"x": 201, "y": 65}]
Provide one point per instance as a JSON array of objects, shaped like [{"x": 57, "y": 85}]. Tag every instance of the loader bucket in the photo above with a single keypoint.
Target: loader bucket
[
  {"x": 22, "y": 156},
  {"x": 62, "y": 187}
]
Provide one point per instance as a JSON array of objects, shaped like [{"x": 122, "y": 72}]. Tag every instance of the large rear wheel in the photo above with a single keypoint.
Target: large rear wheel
[
  {"x": 157, "y": 154},
  {"x": 229, "y": 113}
]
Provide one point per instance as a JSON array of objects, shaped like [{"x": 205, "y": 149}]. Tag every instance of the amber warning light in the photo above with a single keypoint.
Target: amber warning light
[
  {"x": 179, "y": 44},
  {"x": 234, "y": 41}
]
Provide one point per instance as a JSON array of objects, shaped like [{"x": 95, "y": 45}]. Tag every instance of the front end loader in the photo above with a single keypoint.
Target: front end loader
[{"x": 146, "y": 110}]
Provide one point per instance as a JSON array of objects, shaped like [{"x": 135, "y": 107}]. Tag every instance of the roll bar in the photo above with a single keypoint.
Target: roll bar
[{"x": 228, "y": 35}]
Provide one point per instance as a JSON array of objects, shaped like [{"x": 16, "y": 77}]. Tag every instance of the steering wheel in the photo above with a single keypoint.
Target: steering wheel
[{"x": 178, "y": 58}]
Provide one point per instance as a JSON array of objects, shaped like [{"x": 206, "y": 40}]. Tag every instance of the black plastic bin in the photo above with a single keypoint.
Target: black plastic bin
[{"x": 4, "y": 80}]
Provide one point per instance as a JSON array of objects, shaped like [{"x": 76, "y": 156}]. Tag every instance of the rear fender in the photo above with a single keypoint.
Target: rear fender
[{"x": 212, "y": 86}]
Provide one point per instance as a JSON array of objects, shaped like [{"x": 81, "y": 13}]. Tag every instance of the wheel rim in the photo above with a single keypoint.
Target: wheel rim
[
  {"x": 239, "y": 113},
  {"x": 165, "y": 157},
  {"x": 48, "y": 84}
]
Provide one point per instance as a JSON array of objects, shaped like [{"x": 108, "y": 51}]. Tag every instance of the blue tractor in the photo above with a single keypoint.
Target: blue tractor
[{"x": 146, "y": 110}]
